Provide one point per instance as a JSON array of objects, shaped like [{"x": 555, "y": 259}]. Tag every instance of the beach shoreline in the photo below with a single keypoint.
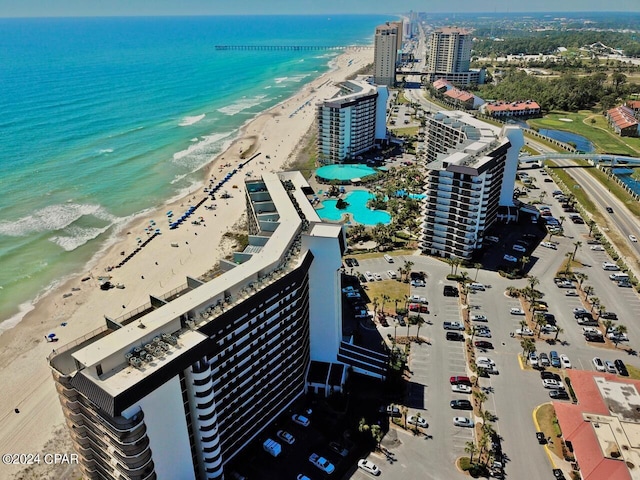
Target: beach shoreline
[{"x": 77, "y": 306}]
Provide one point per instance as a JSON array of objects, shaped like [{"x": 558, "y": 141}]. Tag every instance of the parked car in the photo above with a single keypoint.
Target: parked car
[
  {"x": 463, "y": 422},
  {"x": 555, "y": 359},
  {"x": 455, "y": 336},
  {"x": 609, "y": 316},
  {"x": 621, "y": 367},
  {"x": 483, "y": 332},
  {"x": 417, "y": 421},
  {"x": 516, "y": 311},
  {"x": 524, "y": 332},
  {"x": 597, "y": 248},
  {"x": 461, "y": 405},
  {"x": 322, "y": 463},
  {"x": 301, "y": 420},
  {"x": 391, "y": 410},
  {"x": 559, "y": 394},
  {"x": 369, "y": 467},
  {"x": 533, "y": 359},
  {"x": 598, "y": 364},
  {"x": 544, "y": 360},
  {"x": 510, "y": 258},
  {"x": 453, "y": 326},
  {"x": 450, "y": 291},
  {"x": 610, "y": 367},
  {"x": 339, "y": 449},
  {"x": 552, "y": 384},
  {"x": 541, "y": 438},
  {"x": 460, "y": 388},
  {"x": 571, "y": 293},
  {"x": 392, "y": 275},
  {"x": 564, "y": 361},
  {"x": 459, "y": 379},
  {"x": 518, "y": 248},
  {"x": 483, "y": 344},
  {"x": 479, "y": 318},
  {"x": 286, "y": 437},
  {"x": 550, "y": 245}
]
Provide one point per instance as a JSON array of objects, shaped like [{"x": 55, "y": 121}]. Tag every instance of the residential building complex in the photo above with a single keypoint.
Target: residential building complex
[
  {"x": 352, "y": 122},
  {"x": 387, "y": 43},
  {"x": 178, "y": 387},
  {"x": 449, "y": 57},
  {"x": 472, "y": 170},
  {"x": 623, "y": 121},
  {"x": 501, "y": 109}
]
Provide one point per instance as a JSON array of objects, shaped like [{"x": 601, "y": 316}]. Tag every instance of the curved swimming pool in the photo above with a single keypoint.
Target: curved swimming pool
[
  {"x": 358, "y": 209},
  {"x": 344, "y": 172}
]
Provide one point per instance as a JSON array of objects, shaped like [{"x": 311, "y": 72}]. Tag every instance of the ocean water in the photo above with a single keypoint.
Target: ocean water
[{"x": 105, "y": 118}]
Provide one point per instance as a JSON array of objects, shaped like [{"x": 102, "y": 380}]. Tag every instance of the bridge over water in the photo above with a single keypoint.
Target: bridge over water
[
  {"x": 267, "y": 48},
  {"x": 596, "y": 158}
]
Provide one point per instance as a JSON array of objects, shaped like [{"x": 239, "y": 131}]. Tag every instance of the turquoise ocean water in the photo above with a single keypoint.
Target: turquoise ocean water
[{"x": 104, "y": 118}]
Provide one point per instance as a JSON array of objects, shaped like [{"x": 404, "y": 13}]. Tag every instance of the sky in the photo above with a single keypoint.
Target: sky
[{"x": 70, "y": 8}]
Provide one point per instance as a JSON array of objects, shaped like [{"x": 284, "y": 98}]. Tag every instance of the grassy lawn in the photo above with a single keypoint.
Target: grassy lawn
[
  {"x": 361, "y": 256},
  {"x": 634, "y": 372},
  {"x": 405, "y": 131},
  {"x": 393, "y": 288},
  {"x": 592, "y": 126},
  {"x": 546, "y": 417}
]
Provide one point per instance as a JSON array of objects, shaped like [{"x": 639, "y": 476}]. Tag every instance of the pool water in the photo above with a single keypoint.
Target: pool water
[
  {"x": 358, "y": 209},
  {"x": 344, "y": 172}
]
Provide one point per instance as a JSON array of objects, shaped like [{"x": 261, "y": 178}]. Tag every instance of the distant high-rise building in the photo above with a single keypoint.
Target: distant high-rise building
[
  {"x": 352, "y": 122},
  {"x": 470, "y": 182},
  {"x": 388, "y": 40},
  {"x": 449, "y": 57}
]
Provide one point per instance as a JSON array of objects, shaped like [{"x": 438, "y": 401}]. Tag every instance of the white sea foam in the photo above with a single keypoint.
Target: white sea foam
[
  {"x": 195, "y": 139},
  {"x": 75, "y": 237},
  {"x": 186, "y": 121},
  {"x": 52, "y": 218},
  {"x": 279, "y": 80},
  {"x": 242, "y": 104},
  {"x": 203, "y": 146},
  {"x": 105, "y": 150}
]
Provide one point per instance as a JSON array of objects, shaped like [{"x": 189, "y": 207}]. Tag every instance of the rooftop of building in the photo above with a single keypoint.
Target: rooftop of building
[
  {"x": 481, "y": 139},
  {"x": 502, "y": 106},
  {"x": 452, "y": 30},
  {"x": 622, "y": 116},
  {"x": 460, "y": 95},
  {"x": 350, "y": 91},
  {"x": 129, "y": 349},
  {"x": 604, "y": 426}
]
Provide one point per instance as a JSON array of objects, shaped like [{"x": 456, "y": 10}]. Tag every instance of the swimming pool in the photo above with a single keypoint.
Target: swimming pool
[
  {"x": 358, "y": 209},
  {"x": 344, "y": 172}
]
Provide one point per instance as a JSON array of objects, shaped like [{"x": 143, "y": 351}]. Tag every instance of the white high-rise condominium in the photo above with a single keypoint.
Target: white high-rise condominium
[
  {"x": 449, "y": 57},
  {"x": 472, "y": 169}
]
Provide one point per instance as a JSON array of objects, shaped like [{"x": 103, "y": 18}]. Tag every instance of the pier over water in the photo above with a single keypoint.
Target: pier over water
[{"x": 290, "y": 47}]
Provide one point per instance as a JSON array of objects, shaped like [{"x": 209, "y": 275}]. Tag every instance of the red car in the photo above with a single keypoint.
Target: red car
[
  {"x": 424, "y": 309},
  {"x": 414, "y": 307},
  {"x": 459, "y": 379}
]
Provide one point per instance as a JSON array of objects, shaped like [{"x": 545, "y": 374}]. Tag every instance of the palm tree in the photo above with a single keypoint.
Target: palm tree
[
  {"x": 533, "y": 281},
  {"x": 485, "y": 416},
  {"x": 470, "y": 448},
  {"x": 591, "y": 224},
  {"x": 562, "y": 219},
  {"x": 528, "y": 346},
  {"x": 523, "y": 324},
  {"x": 620, "y": 330},
  {"x": 457, "y": 263},
  {"x": 375, "y": 306},
  {"x": 595, "y": 301},
  {"x": 481, "y": 397},
  {"x": 477, "y": 266},
  {"x": 451, "y": 261},
  {"x": 404, "y": 410},
  {"x": 588, "y": 290},
  {"x": 483, "y": 442},
  {"x": 569, "y": 256},
  {"x": 607, "y": 324},
  {"x": 385, "y": 299},
  {"x": 541, "y": 321},
  {"x": 407, "y": 268},
  {"x": 513, "y": 291},
  {"x": 524, "y": 261},
  {"x": 577, "y": 245},
  {"x": 419, "y": 321},
  {"x": 581, "y": 277},
  {"x": 559, "y": 330}
]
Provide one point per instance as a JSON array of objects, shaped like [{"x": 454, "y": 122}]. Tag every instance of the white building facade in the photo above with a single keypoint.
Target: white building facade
[
  {"x": 387, "y": 42},
  {"x": 449, "y": 57},
  {"x": 352, "y": 122},
  {"x": 472, "y": 170}
]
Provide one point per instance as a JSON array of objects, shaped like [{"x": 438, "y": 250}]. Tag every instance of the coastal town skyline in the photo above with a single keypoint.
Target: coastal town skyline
[{"x": 75, "y": 8}]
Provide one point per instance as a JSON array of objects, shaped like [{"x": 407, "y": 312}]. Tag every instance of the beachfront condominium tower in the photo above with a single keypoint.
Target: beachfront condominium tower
[
  {"x": 472, "y": 170},
  {"x": 387, "y": 43},
  {"x": 449, "y": 57},
  {"x": 178, "y": 387},
  {"x": 352, "y": 122}
]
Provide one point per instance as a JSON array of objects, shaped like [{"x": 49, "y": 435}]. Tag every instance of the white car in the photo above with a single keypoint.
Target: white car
[
  {"x": 552, "y": 384},
  {"x": 591, "y": 331},
  {"x": 418, "y": 421},
  {"x": 510, "y": 258},
  {"x": 620, "y": 337},
  {"x": 369, "y": 467},
  {"x": 519, "y": 248},
  {"x": 551, "y": 245},
  {"x": 533, "y": 359},
  {"x": 571, "y": 293},
  {"x": 633, "y": 238},
  {"x": 369, "y": 276},
  {"x": 391, "y": 274},
  {"x": 377, "y": 276},
  {"x": 548, "y": 329},
  {"x": 460, "y": 388},
  {"x": 598, "y": 364},
  {"x": 609, "y": 365},
  {"x": 479, "y": 318},
  {"x": 463, "y": 422},
  {"x": 516, "y": 311},
  {"x": 524, "y": 332},
  {"x": 597, "y": 248},
  {"x": 579, "y": 310},
  {"x": 485, "y": 360},
  {"x": 322, "y": 463},
  {"x": 564, "y": 361},
  {"x": 300, "y": 420},
  {"x": 483, "y": 332}
]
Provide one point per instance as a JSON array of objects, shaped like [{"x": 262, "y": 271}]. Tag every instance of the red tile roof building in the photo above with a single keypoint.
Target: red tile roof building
[
  {"x": 623, "y": 121},
  {"x": 498, "y": 109},
  {"x": 603, "y": 427}
]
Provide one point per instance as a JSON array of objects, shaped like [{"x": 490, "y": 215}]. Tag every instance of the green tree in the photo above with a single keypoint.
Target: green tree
[
  {"x": 559, "y": 330},
  {"x": 470, "y": 448},
  {"x": 528, "y": 346},
  {"x": 477, "y": 266},
  {"x": 577, "y": 245},
  {"x": 407, "y": 268},
  {"x": 619, "y": 330}
]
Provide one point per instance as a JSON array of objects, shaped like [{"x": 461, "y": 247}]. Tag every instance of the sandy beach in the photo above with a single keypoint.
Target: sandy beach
[{"x": 160, "y": 266}]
